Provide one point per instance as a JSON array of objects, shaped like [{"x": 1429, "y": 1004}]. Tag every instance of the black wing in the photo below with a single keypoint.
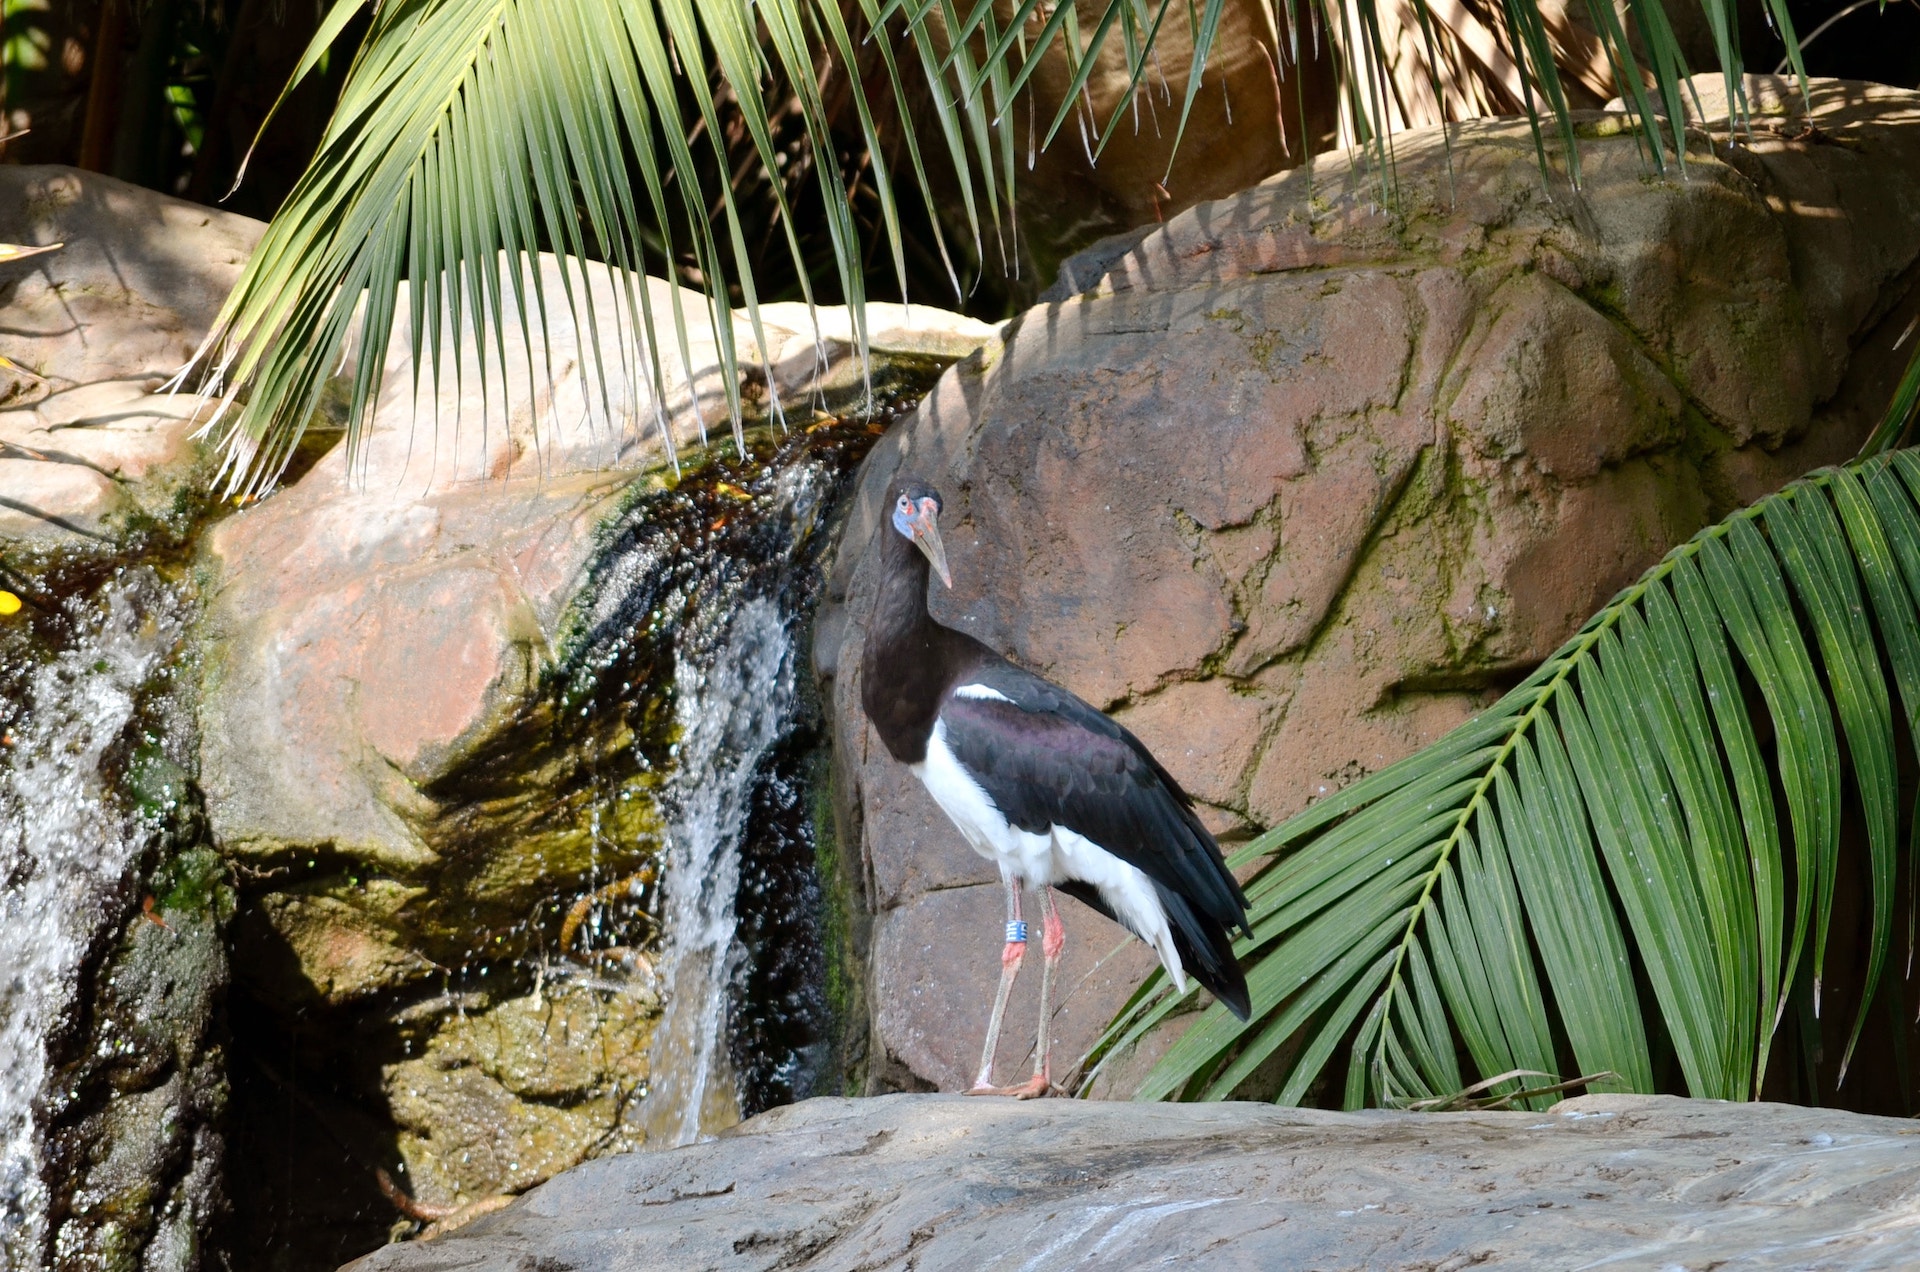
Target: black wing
[{"x": 1048, "y": 759}]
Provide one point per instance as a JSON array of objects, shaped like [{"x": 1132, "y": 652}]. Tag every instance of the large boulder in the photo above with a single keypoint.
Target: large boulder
[
  {"x": 332, "y": 713},
  {"x": 1304, "y": 478},
  {"x": 91, "y": 452},
  {"x": 912, "y": 1181},
  {"x": 135, "y": 289}
]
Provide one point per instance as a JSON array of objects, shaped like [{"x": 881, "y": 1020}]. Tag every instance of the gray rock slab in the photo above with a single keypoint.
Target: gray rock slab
[{"x": 944, "y": 1182}]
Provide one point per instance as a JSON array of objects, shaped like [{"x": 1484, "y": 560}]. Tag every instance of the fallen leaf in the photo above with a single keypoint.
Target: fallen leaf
[{"x": 20, "y": 251}]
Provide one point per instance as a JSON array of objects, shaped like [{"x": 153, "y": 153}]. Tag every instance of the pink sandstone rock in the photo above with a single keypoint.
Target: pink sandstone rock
[{"x": 1299, "y": 482}]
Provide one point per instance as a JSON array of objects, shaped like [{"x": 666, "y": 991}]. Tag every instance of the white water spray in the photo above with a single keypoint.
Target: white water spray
[
  {"x": 734, "y": 700},
  {"x": 65, "y": 847}
]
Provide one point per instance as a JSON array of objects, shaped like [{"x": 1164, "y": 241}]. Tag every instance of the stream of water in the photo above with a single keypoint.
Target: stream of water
[
  {"x": 717, "y": 582},
  {"x": 66, "y": 845},
  {"x": 685, "y": 649}
]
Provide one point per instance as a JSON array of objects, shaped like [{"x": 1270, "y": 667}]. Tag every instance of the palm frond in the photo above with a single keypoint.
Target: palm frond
[
  {"x": 472, "y": 134},
  {"x": 1605, "y": 844}
]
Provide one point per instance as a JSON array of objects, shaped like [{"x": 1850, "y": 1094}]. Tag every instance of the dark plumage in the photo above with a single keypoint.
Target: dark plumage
[{"x": 1050, "y": 789}]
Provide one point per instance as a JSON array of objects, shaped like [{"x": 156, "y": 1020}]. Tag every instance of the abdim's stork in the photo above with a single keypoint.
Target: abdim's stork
[{"x": 1041, "y": 784}]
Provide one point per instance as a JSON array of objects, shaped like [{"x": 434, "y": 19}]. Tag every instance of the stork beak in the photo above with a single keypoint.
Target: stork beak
[{"x": 926, "y": 537}]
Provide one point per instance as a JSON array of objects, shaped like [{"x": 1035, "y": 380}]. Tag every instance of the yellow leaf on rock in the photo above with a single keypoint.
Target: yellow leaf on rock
[{"x": 20, "y": 251}]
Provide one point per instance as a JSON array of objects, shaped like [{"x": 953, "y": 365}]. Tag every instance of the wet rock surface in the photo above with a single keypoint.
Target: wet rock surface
[
  {"x": 946, "y": 1182},
  {"x": 135, "y": 1125},
  {"x": 560, "y": 970},
  {"x": 1294, "y": 484},
  {"x": 498, "y": 715},
  {"x": 428, "y": 724},
  {"x": 112, "y": 1030}
]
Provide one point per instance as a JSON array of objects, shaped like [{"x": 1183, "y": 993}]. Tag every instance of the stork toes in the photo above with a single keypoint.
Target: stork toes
[{"x": 1039, "y": 1086}]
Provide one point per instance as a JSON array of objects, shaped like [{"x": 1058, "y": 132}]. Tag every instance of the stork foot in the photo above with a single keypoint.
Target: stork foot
[{"x": 1034, "y": 1088}]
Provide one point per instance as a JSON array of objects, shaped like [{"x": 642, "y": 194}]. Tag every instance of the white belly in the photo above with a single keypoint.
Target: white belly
[
  {"x": 1020, "y": 854},
  {"x": 1042, "y": 859}
]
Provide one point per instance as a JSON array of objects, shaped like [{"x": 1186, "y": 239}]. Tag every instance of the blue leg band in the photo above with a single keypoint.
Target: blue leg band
[{"x": 1016, "y": 932}]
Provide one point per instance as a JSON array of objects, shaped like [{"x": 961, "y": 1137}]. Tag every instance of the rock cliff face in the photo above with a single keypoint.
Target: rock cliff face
[
  {"x": 462, "y": 735},
  {"x": 113, "y": 1066},
  {"x": 447, "y": 685},
  {"x": 951, "y": 1183},
  {"x": 1299, "y": 480}
]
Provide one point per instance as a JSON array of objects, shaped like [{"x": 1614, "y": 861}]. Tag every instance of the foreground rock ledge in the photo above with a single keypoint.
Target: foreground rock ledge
[{"x": 933, "y": 1182}]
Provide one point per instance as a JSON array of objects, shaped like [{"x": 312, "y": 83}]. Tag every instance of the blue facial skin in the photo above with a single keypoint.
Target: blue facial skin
[{"x": 900, "y": 521}]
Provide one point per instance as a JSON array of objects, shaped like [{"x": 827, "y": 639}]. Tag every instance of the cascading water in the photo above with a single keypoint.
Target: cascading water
[
  {"x": 716, "y": 581},
  {"x": 67, "y": 845},
  {"x": 644, "y": 964},
  {"x": 730, "y": 714}
]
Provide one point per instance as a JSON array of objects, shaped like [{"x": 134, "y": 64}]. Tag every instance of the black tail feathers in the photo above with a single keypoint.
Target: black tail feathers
[
  {"x": 1206, "y": 953},
  {"x": 1205, "y": 947}
]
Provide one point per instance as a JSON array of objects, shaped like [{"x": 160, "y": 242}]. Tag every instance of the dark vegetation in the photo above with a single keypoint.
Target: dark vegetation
[{"x": 191, "y": 80}]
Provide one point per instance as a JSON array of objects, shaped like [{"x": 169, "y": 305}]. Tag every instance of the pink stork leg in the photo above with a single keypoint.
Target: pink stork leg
[
  {"x": 1010, "y": 955},
  {"x": 1053, "y": 939}
]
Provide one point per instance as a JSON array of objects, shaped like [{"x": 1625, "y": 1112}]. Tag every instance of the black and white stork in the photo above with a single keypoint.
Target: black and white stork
[{"x": 1041, "y": 784}]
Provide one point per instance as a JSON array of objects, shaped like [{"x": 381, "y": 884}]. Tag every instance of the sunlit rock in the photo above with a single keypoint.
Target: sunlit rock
[
  {"x": 945, "y": 1182},
  {"x": 134, "y": 290},
  {"x": 505, "y": 1097},
  {"x": 91, "y": 455}
]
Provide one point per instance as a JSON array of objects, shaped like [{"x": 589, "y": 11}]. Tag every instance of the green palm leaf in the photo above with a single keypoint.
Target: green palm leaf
[
  {"x": 1606, "y": 840},
  {"x": 472, "y": 134}
]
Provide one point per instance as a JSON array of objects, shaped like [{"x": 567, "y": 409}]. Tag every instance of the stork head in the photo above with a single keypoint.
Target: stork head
[{"x": 916, "y": 515}]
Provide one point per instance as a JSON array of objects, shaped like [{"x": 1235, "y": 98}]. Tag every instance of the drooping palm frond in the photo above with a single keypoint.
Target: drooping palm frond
[
  {"x": 1607, "y": 841},
  {"x": 473, "y": 133},
  {"x": 1401, "y": 63}
]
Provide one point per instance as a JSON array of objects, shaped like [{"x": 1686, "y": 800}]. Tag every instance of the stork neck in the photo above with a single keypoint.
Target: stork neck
[
  {"x": 910, "y": 660},
  {"x": 900, "y": 610}
]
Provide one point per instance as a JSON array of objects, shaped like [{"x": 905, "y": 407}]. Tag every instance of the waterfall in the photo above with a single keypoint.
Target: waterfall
[
  {"x": 731, "y": 711},
  {"x": 648, "y": 964},
  {"x": 716, "y": 583},
  {"x": 66, "y": 846}
]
